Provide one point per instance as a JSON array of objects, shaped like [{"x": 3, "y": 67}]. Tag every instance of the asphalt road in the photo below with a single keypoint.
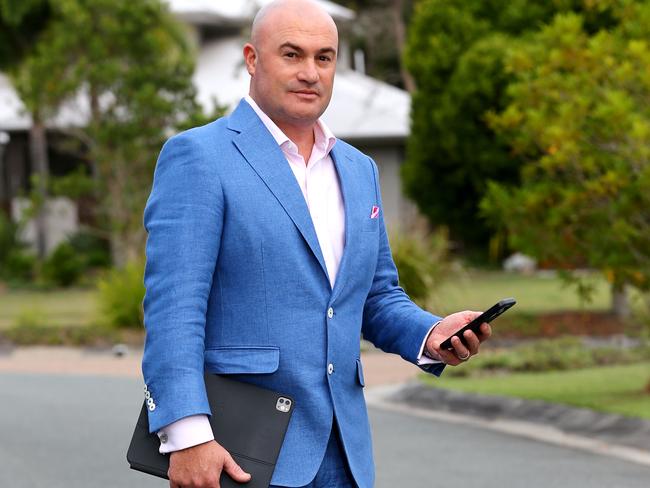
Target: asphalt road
[{"x": 62, "y": 431}]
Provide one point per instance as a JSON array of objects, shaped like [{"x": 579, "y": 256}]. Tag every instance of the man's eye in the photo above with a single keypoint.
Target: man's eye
[
  {"x": 325, "y": 58},
  {"x": 290, "y": 55}
]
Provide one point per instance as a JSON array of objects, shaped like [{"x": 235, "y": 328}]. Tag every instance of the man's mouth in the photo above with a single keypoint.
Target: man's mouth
[{"x": 308, "y": 94}]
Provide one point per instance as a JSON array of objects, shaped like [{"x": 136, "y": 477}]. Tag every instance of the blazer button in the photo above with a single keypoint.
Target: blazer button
[
  {"x": 330, "y": 368},
  {"x": 152, "y": 407},
  {"x": 147, "y": 395},
  {"x": 330, "y": 313}
]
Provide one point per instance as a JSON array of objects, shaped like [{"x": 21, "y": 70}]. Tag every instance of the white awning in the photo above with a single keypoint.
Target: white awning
[{"x": 237, "y": 12}]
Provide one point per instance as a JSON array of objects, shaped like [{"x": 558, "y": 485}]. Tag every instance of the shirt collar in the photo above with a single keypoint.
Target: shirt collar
[{"x": 324, "y": 139}]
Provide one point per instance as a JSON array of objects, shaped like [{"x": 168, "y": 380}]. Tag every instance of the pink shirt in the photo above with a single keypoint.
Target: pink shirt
[{"x": 318, "y": 181}]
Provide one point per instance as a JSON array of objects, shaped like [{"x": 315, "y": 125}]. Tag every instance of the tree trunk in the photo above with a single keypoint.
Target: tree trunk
[
  {"x": 95, "y": 115},
  {"x": 126, "y": 231},
  {"x": 399, "y": 27},
  {"x": 620, "y": 302},
  {"x": 40, "y": 168}
]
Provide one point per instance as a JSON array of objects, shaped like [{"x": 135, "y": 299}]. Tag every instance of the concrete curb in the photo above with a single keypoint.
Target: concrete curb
[{"x": 605, "y": 434}]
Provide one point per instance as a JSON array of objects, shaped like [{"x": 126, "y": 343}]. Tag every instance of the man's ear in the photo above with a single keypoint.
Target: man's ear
[{"x": 250, "y": 58}]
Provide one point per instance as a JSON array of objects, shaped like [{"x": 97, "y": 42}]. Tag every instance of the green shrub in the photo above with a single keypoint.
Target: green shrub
[
  {"x": 30, "y": 329},
  {"x": 93, "y": 251},
  {"x": 63, "y": 267},
  {"x": 16, "y": 264},
  {"x": 421, "y": 261},
  {"x": 121, "y": 294},
  {"x": 8, "y": 239},
  {"x": 550, "y": 355}
]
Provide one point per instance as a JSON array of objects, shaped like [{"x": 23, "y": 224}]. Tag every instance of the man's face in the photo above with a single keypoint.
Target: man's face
[{"x": 292, "y": 67}]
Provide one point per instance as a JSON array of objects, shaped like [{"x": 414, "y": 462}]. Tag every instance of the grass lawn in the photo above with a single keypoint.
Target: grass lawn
[
  {"x": 74, "y": 307},
  {"x": 612, "y": 389},
  {"x": 478, "y": 290}
]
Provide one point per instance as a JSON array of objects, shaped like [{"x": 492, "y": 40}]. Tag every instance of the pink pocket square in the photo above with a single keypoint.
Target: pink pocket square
[{"x": 374, "y": 213}]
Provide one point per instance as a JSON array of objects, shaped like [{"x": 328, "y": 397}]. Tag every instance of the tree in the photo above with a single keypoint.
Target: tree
[
  {"x": 21, "y": 25},
  {"x": 126, "y": 66},
  {"x": 455, "y": 52},
  {"x": 380, "y": 32},
  {"x": 579, "y": 118}
]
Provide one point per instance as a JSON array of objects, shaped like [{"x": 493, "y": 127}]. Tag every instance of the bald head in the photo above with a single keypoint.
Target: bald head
[
  {"x": 292, "y": 61},
  {"x": 272, "y": 13}
]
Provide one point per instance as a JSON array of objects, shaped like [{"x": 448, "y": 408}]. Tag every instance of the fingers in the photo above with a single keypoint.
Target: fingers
[
  {"x": 234, "y": 470},
  {"x": 462, "y": 352},
  {"x": 472, "y": 342},
  {"x": 486, "y": 331}
]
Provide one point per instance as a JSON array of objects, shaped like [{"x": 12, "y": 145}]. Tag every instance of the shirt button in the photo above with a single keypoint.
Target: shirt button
[
  {"x": 330, "y": 368},
  {"x": 330, "y": 312}
]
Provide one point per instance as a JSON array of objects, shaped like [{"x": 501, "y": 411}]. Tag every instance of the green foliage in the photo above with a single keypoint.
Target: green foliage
[
  {"x": 63, "y": 267},
  {"x": 75, "y": 185},
  {"x": 579, "y": 116},
  {"x": 550, "y": 355},
  {"x": 31, "y": 329},
  {"x": 93, "y": 250},
  {"x": 16, "y": 264},
  {"x": 131, "y": 63},
  {"x": 455, "y": 52},
  {"x": 30, "y": 318},
  {"x": 8, "y": 237},
  {"x": 613, "y": 389},
  {"x": 21, "y": 23},
  {"x": 421, "y": 261},
  {"x": 19, "y": 267},
  {"x": 121, "y": 294}
]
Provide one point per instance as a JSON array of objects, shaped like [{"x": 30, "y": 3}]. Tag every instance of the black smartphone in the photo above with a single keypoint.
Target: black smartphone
[{"x": 487, "y": 316}]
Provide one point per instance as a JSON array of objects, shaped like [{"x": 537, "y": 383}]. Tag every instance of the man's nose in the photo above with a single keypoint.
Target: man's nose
[{"x": 308, "y": 72}]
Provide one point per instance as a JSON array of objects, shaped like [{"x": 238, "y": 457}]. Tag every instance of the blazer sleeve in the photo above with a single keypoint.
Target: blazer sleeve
[
  {"x": 183, "y": 218},
  {"x": 391, "y": 321}
]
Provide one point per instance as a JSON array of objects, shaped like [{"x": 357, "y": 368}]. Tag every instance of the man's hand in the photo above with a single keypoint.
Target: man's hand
[
  {"x": 447, "y": 327},
  {"x": 200, "y": 467}
]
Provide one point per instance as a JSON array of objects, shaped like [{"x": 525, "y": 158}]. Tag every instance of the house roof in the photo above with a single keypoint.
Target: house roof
[
  {"x": 237, "y": 12},
  {"x": 361, "y": 107}
]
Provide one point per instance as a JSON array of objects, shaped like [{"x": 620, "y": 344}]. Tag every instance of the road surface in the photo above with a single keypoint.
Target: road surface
[{"x": 72, "y": 431}]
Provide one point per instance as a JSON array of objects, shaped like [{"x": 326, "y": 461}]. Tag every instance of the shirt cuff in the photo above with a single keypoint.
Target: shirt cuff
[
  {"x": 423, "y": 358},
  {"x": 186, "y": 432}
]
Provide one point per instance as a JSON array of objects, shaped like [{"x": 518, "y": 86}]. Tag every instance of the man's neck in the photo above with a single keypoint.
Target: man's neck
[{"x": 302, "y": 136}]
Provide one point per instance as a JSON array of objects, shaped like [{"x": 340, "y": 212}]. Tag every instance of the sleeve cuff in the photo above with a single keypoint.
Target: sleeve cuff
[
  {"x": 186, "y": 432},
  {"x": 423, "y": 358}
]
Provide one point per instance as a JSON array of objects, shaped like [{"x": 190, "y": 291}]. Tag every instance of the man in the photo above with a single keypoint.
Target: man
[{"x": 267, "y": 258}]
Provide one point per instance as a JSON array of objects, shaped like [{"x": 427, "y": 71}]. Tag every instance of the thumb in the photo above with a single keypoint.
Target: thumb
[{"x": 234, "y": 471}]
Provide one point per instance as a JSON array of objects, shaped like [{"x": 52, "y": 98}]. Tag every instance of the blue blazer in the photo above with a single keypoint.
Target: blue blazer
[{"x": 236, "y": 284}]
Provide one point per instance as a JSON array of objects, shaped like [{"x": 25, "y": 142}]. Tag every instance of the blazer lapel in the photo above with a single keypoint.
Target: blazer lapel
[
  {"x": 346, "y": 182},
  {"x": 266, "y": 158}
]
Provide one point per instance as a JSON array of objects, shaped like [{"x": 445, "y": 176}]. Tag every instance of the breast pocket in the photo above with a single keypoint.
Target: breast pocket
[{"x": 242, "y": 359}]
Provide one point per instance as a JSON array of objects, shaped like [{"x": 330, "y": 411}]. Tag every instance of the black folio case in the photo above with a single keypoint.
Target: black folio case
[{"x": 248, "y": 421}]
